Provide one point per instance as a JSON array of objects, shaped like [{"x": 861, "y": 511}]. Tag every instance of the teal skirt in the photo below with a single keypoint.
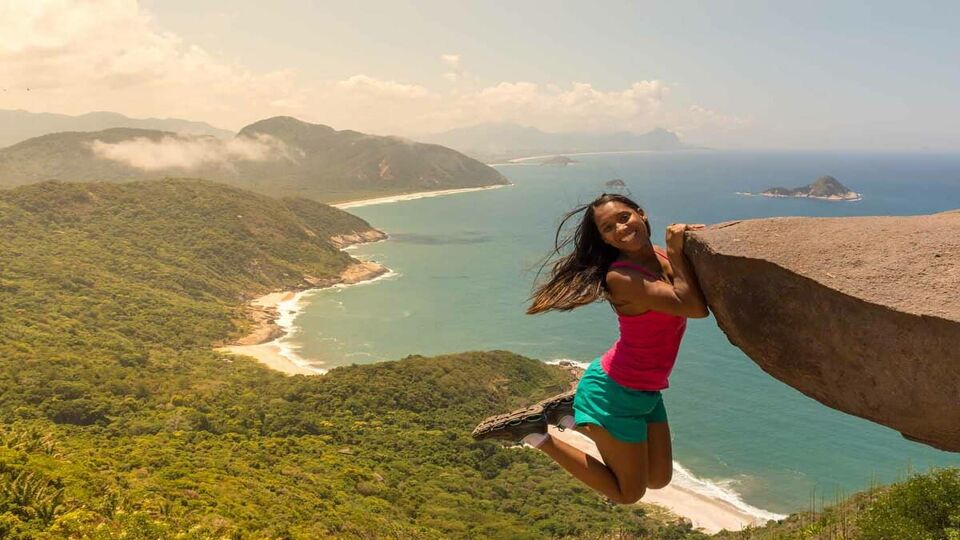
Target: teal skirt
[{"x": 622, "y": 411}]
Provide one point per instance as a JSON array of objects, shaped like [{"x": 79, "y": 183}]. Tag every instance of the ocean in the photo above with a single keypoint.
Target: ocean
[{"x": 463, "y": 265}]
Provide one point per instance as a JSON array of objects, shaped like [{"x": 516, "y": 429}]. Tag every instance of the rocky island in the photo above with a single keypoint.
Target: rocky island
[{"x": 826, "y": 188}]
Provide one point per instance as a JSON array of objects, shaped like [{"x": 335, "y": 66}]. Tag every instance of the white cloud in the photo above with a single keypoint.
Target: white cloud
[
  {"x": 362, "y": 85},
  {"x": 190, "y": 153},
  {"x": 78, "y": 56},
  {"x": 456, "y": 72},
  {"x": 579, "y": 107},
  {"x": 703, "y": 117}
]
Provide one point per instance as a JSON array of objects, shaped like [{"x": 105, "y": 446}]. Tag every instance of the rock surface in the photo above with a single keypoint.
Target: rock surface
[{"x": 860, "y": 313}]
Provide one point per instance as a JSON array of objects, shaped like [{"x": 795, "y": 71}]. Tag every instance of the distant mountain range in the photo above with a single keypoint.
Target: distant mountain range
[
  {"x": 499, "y": 142},
  {"x": 19, "y": 125},
  {"x": 279, "y": 156}
]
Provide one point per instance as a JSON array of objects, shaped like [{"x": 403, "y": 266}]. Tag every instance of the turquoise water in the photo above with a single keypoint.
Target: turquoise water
[{"x": 464, "y": 266}]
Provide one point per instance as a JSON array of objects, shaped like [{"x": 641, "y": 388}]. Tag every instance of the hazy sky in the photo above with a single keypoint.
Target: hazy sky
[{"x": 734, "y": 74}]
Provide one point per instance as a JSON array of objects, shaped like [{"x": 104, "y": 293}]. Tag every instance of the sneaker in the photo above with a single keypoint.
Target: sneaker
[
  {"x": 558, "y": 406},
  {"x": 512, "y": 426}
]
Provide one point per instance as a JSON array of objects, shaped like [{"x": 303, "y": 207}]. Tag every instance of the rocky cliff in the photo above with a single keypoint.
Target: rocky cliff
[{"x": 861, "y": 314}]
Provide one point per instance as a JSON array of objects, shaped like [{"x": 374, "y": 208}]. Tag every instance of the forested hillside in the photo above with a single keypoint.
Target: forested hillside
[{"x": 121, "y": 422}]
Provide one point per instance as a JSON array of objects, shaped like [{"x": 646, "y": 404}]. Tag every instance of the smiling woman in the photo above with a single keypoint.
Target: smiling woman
[{"x": 617, "y": 402}]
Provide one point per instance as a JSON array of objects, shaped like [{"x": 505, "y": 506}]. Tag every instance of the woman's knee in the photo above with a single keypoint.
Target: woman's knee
[
  {"x": 629, "y": 496},
  {"x": 660, "y": 480}
]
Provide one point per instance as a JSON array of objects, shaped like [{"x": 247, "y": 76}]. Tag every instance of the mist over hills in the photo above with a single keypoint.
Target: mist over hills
[
  {"x": 279, "y": 156},
  {"x": 71, "y": 156},
  {"x": 497, "y": 141},
  {"x": 20, "y": 125}
]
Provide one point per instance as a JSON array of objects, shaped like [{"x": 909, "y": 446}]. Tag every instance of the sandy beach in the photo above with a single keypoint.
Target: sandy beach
[
  {"x": 545, "y": 156},
  {"x": 411, "y": 196},
  {"x": 707, "y": 514},
  {"x": 265, "y": 343}
]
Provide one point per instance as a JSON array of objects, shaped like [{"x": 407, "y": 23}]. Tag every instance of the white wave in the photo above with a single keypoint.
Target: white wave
[
  {"x": 288, "y": 311},
  {"x": 352, "y": 247},
  {"x": 720, "y": 490},
  {"x": 390, "y": 274},
  {"x": 579, "y": 364}
]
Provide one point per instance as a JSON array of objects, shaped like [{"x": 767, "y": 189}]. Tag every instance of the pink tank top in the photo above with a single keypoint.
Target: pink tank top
[{"x": 643, "y": 357}]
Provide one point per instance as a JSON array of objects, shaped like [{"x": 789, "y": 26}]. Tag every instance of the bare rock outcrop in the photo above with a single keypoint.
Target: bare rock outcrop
[
  {"x": 860, "y": 313},
  {"x": 341, "y": 241}
]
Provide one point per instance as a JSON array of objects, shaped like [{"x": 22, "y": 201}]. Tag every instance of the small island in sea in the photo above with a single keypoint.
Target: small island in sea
[
  {"x": 826, "y": 188},
  {"x": 558, "y": 160}
]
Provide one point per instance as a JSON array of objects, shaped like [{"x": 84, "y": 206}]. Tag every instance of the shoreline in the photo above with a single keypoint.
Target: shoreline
[
  {"x": 608, "y": 152},
  {"x": 274, "y": 313},
  {"x": 411, "y": 196}
]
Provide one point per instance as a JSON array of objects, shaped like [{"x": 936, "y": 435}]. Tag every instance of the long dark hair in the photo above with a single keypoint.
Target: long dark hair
[{"x": 579, "y": 277}]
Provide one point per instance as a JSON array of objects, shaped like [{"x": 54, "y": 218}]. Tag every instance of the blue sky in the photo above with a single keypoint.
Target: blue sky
[{"x": 832, "y": 75}]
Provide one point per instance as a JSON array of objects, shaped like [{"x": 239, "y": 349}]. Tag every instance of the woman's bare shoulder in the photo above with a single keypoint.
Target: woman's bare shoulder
[{"x": 625, "y": 281}]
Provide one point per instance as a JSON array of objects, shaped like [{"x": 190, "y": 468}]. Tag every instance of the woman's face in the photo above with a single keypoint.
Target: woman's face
[{"x": 621, "y": 226}]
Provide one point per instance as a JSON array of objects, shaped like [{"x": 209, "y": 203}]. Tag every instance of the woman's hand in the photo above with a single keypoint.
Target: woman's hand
[{"x": 675, "y": 234}]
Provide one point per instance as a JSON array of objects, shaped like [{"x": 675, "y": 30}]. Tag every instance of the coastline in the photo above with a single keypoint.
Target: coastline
[
  {"x": 274, "y": 314},
  {"x": 411, "y": 196},
  {"x": 521, "y": 160}
]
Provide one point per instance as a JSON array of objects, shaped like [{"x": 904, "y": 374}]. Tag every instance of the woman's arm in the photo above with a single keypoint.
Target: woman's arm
[
  {"x": 634, "y": 295},
  {"x": 685, "y": 283}
]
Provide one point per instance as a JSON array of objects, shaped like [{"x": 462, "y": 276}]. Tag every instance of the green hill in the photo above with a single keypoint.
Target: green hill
[
  {"x": 119, "y": 420},
  {"x": 279, "y": 156}
]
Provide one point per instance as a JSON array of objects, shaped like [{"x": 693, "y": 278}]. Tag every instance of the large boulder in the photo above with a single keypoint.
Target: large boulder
[{"x": 859, "y": 313}]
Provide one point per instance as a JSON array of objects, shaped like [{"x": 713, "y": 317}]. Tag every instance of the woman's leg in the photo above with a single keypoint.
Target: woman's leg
[
  {"x": 623, "y": 477},
  {"x": 660, "y": 455}
]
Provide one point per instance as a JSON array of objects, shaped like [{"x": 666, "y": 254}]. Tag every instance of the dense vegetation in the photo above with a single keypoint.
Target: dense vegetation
[
  {"x": 308, "y": 160},
  {"x": 120, "y": 421}
]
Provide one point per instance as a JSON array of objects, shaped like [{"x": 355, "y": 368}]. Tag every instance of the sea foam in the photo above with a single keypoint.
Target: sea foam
[{"x": 288, "y": 311}]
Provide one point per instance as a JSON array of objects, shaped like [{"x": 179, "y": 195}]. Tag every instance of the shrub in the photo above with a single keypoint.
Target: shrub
[{"x": 925, "y": 507}]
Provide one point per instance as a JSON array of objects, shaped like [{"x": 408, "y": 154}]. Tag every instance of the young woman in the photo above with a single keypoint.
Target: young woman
[{"x": 617, "y": 402}]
